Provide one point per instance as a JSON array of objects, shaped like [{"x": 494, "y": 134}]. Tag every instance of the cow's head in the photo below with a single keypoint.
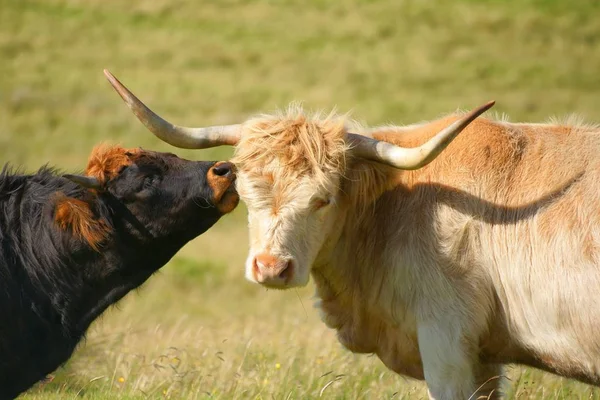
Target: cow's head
[
  {"x": 156, "y": 196},
  {"x": 291, "y": 172},
  {"x": 295, "y": 174}
]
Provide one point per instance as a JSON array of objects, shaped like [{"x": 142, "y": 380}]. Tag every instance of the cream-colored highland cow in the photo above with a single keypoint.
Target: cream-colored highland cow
[{"x": 446, "y": 262}]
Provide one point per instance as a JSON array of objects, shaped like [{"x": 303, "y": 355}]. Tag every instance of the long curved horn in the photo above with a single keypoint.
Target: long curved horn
[
  {"x": 417, "y": 157},
  {"x": 178, "y": 136}
]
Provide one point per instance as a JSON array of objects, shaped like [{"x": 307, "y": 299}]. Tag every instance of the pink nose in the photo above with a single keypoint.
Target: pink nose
[{"x": 271, "y": 270}]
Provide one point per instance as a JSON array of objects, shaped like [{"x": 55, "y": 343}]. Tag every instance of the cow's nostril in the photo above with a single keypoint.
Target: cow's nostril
[
  {"x": 223, "y": 169},
  {"x": 287, "y": 272},
  {"x": 255, "y": 269}
]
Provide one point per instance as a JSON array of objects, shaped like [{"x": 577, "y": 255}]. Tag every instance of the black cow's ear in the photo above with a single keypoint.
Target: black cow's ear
[{"x": 85, "y": 181}]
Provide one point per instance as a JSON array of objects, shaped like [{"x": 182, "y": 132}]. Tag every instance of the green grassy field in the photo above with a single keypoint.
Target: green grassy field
[{"x": 198, "y": 329}]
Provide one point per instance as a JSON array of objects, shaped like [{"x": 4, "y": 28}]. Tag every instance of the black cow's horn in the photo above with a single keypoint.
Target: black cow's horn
[{"x": 85, "y": 181}]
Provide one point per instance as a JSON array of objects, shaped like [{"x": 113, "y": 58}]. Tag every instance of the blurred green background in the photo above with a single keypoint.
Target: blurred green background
[{"x": 198, "y": 329}]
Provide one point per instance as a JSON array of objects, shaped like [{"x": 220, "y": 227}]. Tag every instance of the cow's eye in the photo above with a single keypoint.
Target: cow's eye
[
  {"x": 320, "y": 203},
  {"x": 148, "y": 182}
]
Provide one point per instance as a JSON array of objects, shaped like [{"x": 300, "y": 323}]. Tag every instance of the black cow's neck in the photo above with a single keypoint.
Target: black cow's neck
[
  {"x": 108, "y": 296},
  {"x": 133, "y": 262}
]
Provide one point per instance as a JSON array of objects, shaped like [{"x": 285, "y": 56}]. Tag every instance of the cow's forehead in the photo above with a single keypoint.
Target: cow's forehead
[
  {"x": 286, "y": 147},
  {"x": 106, "y": 160}
]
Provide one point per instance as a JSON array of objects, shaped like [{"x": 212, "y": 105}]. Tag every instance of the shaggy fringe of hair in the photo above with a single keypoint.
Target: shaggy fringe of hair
[{"x": 297, "y": 142}]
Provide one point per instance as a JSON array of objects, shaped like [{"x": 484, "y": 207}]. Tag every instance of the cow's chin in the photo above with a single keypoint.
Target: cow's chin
[
  {"x": 298, "y": 280},
  {"x": 286, "y": 286},
  {"x": 229, "y": 201}
]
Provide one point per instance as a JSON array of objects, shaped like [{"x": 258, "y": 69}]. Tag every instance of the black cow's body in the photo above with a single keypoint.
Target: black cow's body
[{"x": 68, "y": 252}]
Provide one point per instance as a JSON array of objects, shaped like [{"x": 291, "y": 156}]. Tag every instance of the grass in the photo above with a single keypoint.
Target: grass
[{"x": 198, "y": 329}]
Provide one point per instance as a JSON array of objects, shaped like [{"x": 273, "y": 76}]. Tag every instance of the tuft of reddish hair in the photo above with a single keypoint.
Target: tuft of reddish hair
[
  {"x": 106, "y": 161},
  {"x": 76, "y": 216}
]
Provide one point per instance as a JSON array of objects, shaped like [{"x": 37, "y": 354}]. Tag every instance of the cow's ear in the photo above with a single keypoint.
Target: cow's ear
[
  {"x": 76, "y": 216},
  {"x": 89, "y": 182}
]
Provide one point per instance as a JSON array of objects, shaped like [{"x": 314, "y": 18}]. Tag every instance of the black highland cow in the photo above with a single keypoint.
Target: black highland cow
[{"x": 71, "y": 246}]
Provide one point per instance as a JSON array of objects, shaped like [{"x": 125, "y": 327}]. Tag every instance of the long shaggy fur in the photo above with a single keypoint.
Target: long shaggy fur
[
  {"x": 489, "y": 255},
  {"x": 68, "y": 253},
  {"x": 294, "y": 143}
]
